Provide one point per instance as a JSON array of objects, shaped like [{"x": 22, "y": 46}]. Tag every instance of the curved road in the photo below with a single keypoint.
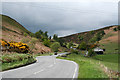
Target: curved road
[{"x": 45, "y": 67}]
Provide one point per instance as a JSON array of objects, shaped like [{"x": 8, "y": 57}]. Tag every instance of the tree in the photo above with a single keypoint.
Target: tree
[
  {"x": 50, "y": 37},
  {"x": 46, "y": 34},
  {"x": 47, "y": 42},
  {"x": 32, "y": 34},
  {"x": 55, "y": 46},
  {"x": 91, "y": 53},
  {"x": 69, "y": 45},
  {"x": 25, "y": 34},
  {"x": 55, "y": 37},
  {"x": 40, "y": 31},
  {"x": 82, "y": 46},
  {"x": 80, "y": 37},
  {"x": 115, "y": 29},
  {"x": 37, "y": 35}
]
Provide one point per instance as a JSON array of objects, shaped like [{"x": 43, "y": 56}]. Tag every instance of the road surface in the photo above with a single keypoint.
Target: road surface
[{"x": 45, "y": 67}]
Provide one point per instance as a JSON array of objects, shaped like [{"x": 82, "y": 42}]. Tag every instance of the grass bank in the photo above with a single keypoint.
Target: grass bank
[
  {"x": 14, "y": 60},
  {"x": 109, "y": 60},
  {"x": 88, "y": 68}
]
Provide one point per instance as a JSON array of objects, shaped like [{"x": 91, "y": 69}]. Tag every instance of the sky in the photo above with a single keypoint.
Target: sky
[{"x": 63, "y": 18}]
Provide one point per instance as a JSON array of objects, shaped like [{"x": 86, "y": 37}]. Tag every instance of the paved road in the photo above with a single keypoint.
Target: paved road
[{"x": 45, "y": 67}]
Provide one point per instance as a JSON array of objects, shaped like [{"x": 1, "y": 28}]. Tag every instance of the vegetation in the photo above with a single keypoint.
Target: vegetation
[
  {"x": 109, "y": 60},
  {"x": 110, "y": 48},
  {"x": 80, "y": 37},
  {"x": 91, "y": 53},
  {"x": 14, "y": 60},
  {"x": 97, "y": 37},
  {"x": 55, "y": 37},
  {"x": 82, "y": 46},
  {"x": 74, "y": 51},
  {"x": 88, "y": 67},
  {"x": 41, "y": 35},
  {"x": 25, "y": 40},
  {"x": 47, "y": 42},
  {"x": 15, "y": 46},
  {"x": 25, "y": 34},
  {"x": 12, "y": 22},
  {"x": 55, "y": 46},
  {"x": 69, "y": 45}
]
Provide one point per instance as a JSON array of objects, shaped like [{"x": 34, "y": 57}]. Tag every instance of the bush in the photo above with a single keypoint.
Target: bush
[
  {"x": 47, "y": 42},
  {"x": 91, "y": 53},
  {"x": 92, "y": 32},
  {"x": 69, "y": 45},
  {"x": 74, "y": 51},
  {"x": 25, "y": 34},
  {"x": 32, "y": 34},
  {"x": 97, "y": 37},
  {"x": 82, "y": 46},
  {"x": 80, "y": 37},
  {"x": 115, "y": 29},
  {"x": 55, "y": 46}
]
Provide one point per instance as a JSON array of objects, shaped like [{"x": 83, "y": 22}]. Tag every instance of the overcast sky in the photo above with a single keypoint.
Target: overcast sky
[{"x": 63, "y": 18}]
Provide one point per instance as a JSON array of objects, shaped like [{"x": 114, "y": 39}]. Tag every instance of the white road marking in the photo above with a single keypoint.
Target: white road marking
[
  {"x": 39, "y": 71},
  {"x": 76, "y": 68},
  {"x": 74, "y": 75}
]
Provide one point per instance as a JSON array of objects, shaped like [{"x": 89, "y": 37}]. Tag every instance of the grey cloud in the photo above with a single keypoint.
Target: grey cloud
[{"x": 62, "y": 18}]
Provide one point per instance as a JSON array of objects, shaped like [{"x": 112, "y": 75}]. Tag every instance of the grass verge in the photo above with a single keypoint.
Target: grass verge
[
  {"x": 88, "y": 68},
  {"x": 109, "y": 60},
  {"x": 15, "y": 60}
]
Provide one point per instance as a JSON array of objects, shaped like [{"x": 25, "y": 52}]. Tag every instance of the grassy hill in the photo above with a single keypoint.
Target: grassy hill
[
  {"x": 84, "y": 36},
  {"x": 13, "y": 31}
]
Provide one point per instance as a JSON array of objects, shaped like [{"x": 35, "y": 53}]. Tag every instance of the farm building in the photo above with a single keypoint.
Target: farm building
[{"x": 98, "y": 50}]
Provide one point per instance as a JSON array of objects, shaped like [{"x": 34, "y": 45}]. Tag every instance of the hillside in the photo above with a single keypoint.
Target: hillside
[
  {"x": 13, "y": 31},
  {"x": 86, "y": 36}
]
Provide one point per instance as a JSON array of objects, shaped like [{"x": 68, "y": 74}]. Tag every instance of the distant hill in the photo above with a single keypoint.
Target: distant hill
[
  {"x": 86, "y": 36},
  {"x": 13, "y": 31}
]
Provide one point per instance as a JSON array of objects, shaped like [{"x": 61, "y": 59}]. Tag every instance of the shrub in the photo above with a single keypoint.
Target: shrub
[
  {"x": 82, "y": 46},
  {"x": 74, "y": 51},
  {"x": 69, "y": 45},
  {"x": 91, "y": 53},
  {"x": 32, "y": 34},
  {"x": 92, "y": 32},
  {"x": 80, "y": 37},
  {"x": 97, "y": 37},
  {"x": 15, "y": 46},
  {"x": 25, "y": 34},
  {"x": 47, "y": 42},
  {"x": 55, "y": 46},
  {"x": 115, "y": 29}
]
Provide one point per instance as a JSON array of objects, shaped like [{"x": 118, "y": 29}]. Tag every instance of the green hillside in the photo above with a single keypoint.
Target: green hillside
[
  {"x": 7, "y": 21},
  {"x": 84, "y": 36}
]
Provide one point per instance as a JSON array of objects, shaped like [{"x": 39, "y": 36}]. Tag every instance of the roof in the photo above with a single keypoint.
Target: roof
[{"x": 98, "y": 49}]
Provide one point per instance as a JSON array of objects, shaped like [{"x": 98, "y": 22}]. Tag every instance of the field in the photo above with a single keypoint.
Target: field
[
  {"x": 90, "y": 67},
  {"x": 110, "y": 48},
  {"x": 109, "y": 60}
]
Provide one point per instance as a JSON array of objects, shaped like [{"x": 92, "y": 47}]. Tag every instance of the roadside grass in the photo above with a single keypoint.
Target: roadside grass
[
  {"x": 109, "y": 60},
  {"x": 110, "y": 47},
  {"x": 88, "y": 67},
  {"x": 14, "y": 60}
]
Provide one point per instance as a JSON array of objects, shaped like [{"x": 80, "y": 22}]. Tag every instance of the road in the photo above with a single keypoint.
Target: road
[{"x": 45, "y": 67}]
